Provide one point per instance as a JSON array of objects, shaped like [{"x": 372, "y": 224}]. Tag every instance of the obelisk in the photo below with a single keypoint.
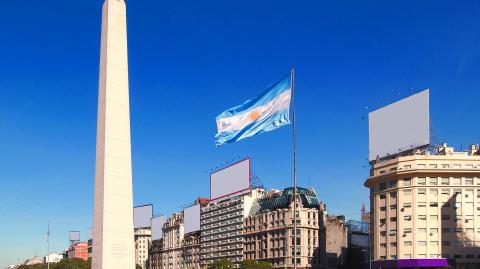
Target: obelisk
[{"x": 113, "y": 239}]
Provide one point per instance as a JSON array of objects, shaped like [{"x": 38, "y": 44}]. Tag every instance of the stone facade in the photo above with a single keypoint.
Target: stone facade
[
  {"x": 155, "y": 254},
  {"x": 191, "y": 250},
  {"x": 172, "y": 242}
]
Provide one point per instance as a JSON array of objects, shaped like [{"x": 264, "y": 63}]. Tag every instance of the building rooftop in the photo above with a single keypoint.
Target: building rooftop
[{"x": 281, "y": 199}]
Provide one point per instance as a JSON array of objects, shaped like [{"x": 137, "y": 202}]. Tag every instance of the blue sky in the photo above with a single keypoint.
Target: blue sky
[{"x": 189, "y": 61}]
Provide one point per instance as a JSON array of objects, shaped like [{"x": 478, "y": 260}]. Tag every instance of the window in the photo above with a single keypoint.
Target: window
[
  {"x": 433, "y": 204},
  {"x": 445, "y": 165},
  {"x": 421, "y": 191},
  {"x": 393, "y": 219},
  {"x": 407, "y": 182},
  {"x": 383, "y": 208},
  {"x": 433, "y": 192},
  {"x": 445, "y": 181},
  {"x": 469, "y": 181},
  {"x": 422, "y": 204},
  {"x": 434, "y": 230},
  {"x": 382, "y": 186},
  {"x": 456, "y": 181},
  {"x": 393, "y": 244},
  {"x": 382, "y": 196},
  {"x": 392, "y": 232},
  {"x": 407, "y": 256},
  {"x": 407, "y": 217},
  {"x": 456, "y": 165},
  {"x": 433, "y": 217},
  {"x": 407, "y": 230},
  {"x": 433, "y": 181},
  {"x": 422, "y": 243},
  {"x": 407, "y": 167},
  {"x": 393, "y": 184},
  {"x": 445, "y": 192},
  {"x": 407, "y": 205},
  {"x": 421, "y": 165},
  {"x": 421, "y": 181},
  {"x": 382, "y": 221},
  {"x": 407, "y": 243},
  {"x": 393, "y": 194},
  {"x": 393, "y": 207},
  {"x": 458, "y": 230},
  {"x": 407, "y": 192},
  {"x": 422, "y": 230},
  {"x": 422, "y": 217},
  {"x": 434, "y": 243}
]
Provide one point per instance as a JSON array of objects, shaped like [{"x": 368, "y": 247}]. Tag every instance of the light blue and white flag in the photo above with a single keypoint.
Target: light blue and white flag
[{"x": 265, "y": 112}]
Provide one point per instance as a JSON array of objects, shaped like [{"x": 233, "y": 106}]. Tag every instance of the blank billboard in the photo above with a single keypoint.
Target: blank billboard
[
  {"x": 157, "y": 225},
  {"x": 74, "y": 236},
  {"x": 230, "y": 180},
  {"x": 191, "y": 218},
  {"x": 142, "y": 216},
  {"x": 399, "y": 127}
]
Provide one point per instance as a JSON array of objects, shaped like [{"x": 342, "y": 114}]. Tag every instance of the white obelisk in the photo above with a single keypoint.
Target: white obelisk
[{"x": 113, "y": 240}]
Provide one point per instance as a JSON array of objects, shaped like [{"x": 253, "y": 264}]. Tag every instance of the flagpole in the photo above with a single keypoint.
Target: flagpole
[{"x": 294, "y": 171}]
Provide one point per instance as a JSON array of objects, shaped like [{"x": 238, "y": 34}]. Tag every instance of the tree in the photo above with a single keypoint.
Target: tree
[
  {"x": 264, "y": 265},
  {"x": 248, "y": 264},
  {"x": 221, "y": 264},
  {"x": 252, "y": 264},
  {"x": 74, "y": 263}
]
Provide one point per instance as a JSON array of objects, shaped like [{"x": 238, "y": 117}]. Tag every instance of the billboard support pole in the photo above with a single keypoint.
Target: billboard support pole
[
  {"x": 294, "y": 171},
  {"x": 48, "y": 245}
]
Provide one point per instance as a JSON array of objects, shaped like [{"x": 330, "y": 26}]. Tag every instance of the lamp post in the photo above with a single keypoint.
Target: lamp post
[{"x": 369, "y": 258}]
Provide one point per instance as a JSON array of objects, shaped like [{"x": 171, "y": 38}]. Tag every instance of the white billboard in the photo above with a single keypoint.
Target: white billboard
[
  {"x": 74, "y": 236},
  {"x": 191, "y": 218},
  {"x": 234, "y": 179},
  {"x": 157, "y": 225},
  {"x": 400, "y": 126},
  {"x": 142, "y": 216}
]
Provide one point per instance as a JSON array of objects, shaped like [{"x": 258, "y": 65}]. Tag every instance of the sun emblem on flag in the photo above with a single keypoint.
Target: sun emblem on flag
[{"x": 254, "y": 115}]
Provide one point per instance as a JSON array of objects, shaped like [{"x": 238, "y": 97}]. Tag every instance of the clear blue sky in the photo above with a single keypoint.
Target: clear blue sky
[{"x": 189, "y": 61}]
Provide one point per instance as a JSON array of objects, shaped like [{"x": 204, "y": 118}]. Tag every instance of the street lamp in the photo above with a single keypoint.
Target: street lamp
[{"x": 369, "y": 257}]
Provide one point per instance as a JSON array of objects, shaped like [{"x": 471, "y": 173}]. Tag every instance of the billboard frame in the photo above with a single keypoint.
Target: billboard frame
[
  {"x": 144, "y": 205},
  {"x": 236, "y": 192},
  {"x": 399, "y": 149}
]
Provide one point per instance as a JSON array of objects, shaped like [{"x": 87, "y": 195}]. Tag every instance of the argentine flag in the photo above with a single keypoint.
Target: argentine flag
[{"x": 265, "y": 112}]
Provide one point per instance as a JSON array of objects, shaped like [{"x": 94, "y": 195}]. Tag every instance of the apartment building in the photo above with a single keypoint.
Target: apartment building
[
  {"x": 143, "y": 237},
  {"x": 191, "y": 250},
  {"x": 155, "y": 254},
  {"x": 78, "y": 250},
  {"x": 425, "y": 209},
  {"x": 269, "y": 232},
  {"x": 222, "y": 227}
]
